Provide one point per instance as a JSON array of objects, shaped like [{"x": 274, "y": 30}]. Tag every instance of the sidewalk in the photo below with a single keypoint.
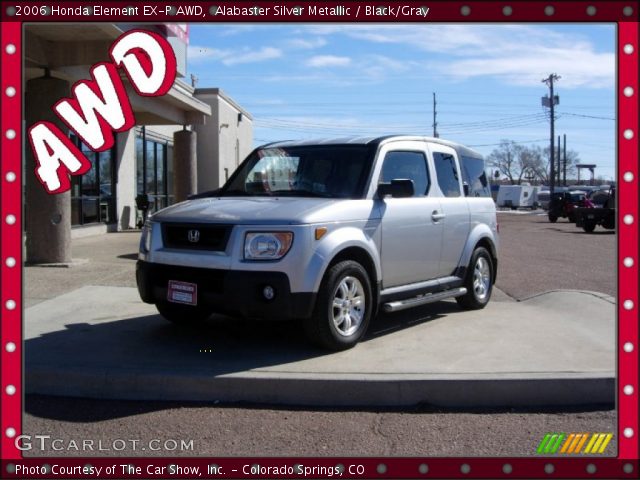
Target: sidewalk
[{"x": 88, "y": 334}]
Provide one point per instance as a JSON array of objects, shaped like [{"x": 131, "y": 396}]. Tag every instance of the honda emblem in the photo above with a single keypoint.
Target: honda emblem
[{"x": 193, "y": 236}]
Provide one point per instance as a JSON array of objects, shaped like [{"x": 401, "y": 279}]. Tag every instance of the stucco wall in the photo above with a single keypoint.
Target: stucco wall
[{"x": 223, "y": 142}]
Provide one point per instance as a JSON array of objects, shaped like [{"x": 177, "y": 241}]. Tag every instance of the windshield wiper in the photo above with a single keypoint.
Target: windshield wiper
[
  {"x": 237, "y": 193},
  {"x": 301, "y": 193},
  {"x": 209, "y": 193}
]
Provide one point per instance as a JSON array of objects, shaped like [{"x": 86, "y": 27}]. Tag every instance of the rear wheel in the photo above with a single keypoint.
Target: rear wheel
[
  {"x": 478, "y": 281},
  {"x": 343, "y": 308},
  {"x": 589, "y": 227},
  {"x": 553, "y": 218},
  {"x": 182, "y": 314}
]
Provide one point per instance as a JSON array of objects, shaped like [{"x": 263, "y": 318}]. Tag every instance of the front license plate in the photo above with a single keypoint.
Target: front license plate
[
  {"x": 590, "y": 217},
  {"x": 182, "y": 292}
]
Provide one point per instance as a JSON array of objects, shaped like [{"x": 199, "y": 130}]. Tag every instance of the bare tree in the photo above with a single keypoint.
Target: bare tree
[
  {"x": 539, "y": 162},
  {"x": 512, "y": 160}
]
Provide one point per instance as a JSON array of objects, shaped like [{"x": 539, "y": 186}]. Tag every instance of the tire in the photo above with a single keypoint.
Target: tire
[
  {"x": 553, "y": 218},
  {"x": 571, "y": 217},
  {"x": 478, "y": 281},
  {"x": 182, "y": 314},
  {"x": 343, "y": 308},
  {"x": 589, "y": 227}
]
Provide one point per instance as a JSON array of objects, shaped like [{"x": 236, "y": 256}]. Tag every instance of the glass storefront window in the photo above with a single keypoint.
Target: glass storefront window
[
  {"x": 171, "y": 197},
  {"x": 154, "y": 172},
  {"x": 93, "y": 194},
  {"x": 139, "y": 165}
]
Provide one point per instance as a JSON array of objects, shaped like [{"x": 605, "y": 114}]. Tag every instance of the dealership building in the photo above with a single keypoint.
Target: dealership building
[{"x": 187, "y": 141}]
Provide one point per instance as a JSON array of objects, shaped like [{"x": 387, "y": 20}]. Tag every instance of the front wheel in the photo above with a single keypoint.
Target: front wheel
[
  {"x": 343, "y": 308},
  {"x": 553, "y": 218},
  {"x": 589, "y": 227},
  {"x": 478, "y": 281}
]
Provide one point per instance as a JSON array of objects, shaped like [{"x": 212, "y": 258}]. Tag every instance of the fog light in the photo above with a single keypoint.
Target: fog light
[{"x": 268, "y": 292}]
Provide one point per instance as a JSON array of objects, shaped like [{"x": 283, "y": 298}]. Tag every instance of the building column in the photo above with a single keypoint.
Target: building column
[
  {"x": 185, "y": 167},
  {"x": 48, "y": 217}
]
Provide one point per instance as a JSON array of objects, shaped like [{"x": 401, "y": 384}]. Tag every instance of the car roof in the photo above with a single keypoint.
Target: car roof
[{"x": 371, "y": 141}]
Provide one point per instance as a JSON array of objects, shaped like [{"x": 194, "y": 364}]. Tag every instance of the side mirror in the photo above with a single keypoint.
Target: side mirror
[
  {"x": 397, "y": 188},
  {"x": 465, "y": 188}
]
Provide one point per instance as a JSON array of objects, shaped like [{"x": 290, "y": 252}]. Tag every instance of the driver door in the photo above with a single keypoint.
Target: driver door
[{"x": 411, "y": 227}]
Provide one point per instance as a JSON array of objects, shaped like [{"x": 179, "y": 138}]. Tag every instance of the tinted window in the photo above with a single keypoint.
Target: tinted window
[
  {"x": 407, "y": 165},
  {"x": 577, "y": 197},
  {"x": 447, "y": 173},
  {"x": 473, "y": 174}
]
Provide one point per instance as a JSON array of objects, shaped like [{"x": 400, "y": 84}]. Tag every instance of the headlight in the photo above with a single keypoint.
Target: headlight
[
  {"x": 145, "y": 241},
  {"x": 267, "y": 245}
]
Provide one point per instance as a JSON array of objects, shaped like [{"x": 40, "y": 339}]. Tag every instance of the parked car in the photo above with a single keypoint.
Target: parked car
[
  {"x": 563, "y": 203},
  {"x": 543, "y": 198},
  {"x": 332, "y": 231},
  {"x": 603, "y": 214}
]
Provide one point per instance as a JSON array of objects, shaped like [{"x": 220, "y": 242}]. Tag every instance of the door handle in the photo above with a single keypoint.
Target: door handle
[{"x": 437, "y": 216}]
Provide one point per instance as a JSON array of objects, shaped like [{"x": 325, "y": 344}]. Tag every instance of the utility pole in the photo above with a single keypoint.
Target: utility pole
[
  {"x": 550, "y": 102},
  {"x": 435, "y": 124},
  {"x": 564, "y": 156},
  {"x": 559, "y": 163}
]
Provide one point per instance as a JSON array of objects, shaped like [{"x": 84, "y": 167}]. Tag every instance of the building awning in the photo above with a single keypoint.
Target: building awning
[{"x": 69, "y": 50}]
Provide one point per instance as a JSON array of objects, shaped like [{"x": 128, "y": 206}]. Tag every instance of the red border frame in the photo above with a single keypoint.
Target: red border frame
[{"x": 573, "y": 11}]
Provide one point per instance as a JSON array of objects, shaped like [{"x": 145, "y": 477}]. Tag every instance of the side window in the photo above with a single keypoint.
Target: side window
[
  {"x": 447, "y": 173},
  {"x": 407, "y": 165},
  {"x": 473, "y": 173}
]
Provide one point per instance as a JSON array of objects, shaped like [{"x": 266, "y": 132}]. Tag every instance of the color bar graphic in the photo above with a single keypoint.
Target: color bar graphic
[
  {"x": 550, "y": 442},
  {"x": 574, "y": 442}
]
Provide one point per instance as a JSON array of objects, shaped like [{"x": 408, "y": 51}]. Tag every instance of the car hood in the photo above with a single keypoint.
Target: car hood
[{"x": 267, "y": 210}]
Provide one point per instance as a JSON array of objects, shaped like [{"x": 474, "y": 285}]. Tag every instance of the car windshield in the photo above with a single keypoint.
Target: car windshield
[{"x": 334, "y": 171}]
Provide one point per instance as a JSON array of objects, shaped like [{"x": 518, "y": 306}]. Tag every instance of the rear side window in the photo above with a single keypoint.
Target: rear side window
[
  {"x": 407, "y": 165},
  {"x": 473, "y": 174},
  {"x": 447, "y": 173}
]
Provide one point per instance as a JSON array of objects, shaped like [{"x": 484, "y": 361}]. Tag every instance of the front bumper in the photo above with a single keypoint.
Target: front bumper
[{"x": 232, "y": 292}]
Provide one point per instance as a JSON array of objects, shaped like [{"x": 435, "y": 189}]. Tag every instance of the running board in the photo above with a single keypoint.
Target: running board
[{"x": 423, "y": 299}]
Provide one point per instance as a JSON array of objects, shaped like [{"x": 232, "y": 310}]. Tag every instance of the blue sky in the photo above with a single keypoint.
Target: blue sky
[{"x": 322, "y": 80}]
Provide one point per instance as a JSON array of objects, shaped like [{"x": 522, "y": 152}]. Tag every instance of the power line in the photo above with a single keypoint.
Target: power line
[
  {"x": 523, "y": 141},
  {"x": 586, "y": 116}
]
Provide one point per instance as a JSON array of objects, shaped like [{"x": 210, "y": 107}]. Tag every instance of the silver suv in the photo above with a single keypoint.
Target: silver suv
[{"x": 328, "y": 232}]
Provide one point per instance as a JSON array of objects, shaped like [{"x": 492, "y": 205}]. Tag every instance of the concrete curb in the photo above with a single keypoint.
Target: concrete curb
[
  {"x": 602, "y": 296},
  {"x": 345, "y": 391}
]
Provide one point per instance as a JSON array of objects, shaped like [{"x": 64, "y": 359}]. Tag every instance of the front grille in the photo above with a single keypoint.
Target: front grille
[
  {"x": 195, "y": 236},
  {"x": 208, "y": 280}
]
